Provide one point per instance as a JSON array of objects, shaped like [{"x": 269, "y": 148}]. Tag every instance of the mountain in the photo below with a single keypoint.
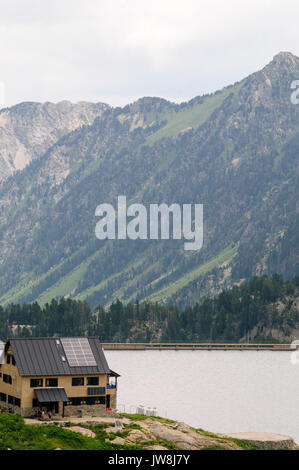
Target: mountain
[
  {"x": 28, "y": 130},
  {"x": 235, "y": 151}
]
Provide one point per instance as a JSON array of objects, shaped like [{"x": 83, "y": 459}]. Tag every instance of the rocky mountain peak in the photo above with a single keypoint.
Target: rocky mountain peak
[{"x": 284, "y": 59}]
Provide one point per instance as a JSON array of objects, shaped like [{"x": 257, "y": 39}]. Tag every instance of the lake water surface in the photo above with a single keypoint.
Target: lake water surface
[{"x": 219, "y": 391}]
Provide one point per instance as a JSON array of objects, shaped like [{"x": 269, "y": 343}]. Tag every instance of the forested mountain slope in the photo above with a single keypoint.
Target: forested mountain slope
[
  {"x": 260, "y": 310},
  {"x": 235, "y": 151}
]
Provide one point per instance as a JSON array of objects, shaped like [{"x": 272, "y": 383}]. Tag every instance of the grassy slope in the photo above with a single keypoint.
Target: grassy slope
[
  {"x": 191, "y": 116},
  {"x": 65, "y": 283},
  {"x": 191, "y": 276}
]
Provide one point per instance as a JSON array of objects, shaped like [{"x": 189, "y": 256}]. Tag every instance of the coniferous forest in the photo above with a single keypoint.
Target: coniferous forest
[{"x": 255, "y": 311}]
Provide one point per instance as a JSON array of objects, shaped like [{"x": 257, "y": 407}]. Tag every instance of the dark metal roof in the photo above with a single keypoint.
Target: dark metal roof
[
  {"x": 41, "y": 356},
  {"x": 50, "y": 394}
]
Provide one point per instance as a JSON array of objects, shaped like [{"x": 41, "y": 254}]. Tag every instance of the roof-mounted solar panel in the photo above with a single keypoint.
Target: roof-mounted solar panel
[
  {"x": 78, "y": 352},
  {"x": 60, "y": 350},
  {"x": 2, "y": 351}
]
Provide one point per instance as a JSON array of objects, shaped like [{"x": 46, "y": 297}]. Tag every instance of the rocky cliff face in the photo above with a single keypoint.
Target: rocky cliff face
[{"x": 28, "y": 130}]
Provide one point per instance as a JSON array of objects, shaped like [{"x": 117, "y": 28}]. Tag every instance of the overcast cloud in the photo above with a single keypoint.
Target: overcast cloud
[{"x": 116, "y": 51}]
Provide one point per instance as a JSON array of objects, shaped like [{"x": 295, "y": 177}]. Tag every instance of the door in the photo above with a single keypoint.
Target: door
[
  {"x": 107, "y": 401},
  {"x": 53, "y": 406}
]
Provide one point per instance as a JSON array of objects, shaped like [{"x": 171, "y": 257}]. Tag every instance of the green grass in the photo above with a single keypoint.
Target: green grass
[
  {"x": 191, "y": 116},
  {"x": 132, "y": 426},
  {"x": 24, "y": 287},
  {"x": 119, "y": 294},
  {"x": 134, "y": 417},
  {"x": 192, "y": 275},
  {"x": 87, "y": 292},
  {"x": 215, "y": 447},
  {"x": 137, "y": 417},
  {"x": 16, "y": 435},
  {"x": 66, "y": 284},
  {"x": 206, "y": 433},
  {"x": 245, "y": 445},
  {"x": 70, "y": 281}
]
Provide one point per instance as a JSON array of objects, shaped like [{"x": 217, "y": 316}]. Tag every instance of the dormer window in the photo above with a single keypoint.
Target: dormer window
[{"x": 10, "y": 360}]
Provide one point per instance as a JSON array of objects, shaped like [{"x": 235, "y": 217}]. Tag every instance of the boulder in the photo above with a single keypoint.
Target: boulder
[
  {"x": 264, "y": 440},
  {"x": 84, "y": 431}
]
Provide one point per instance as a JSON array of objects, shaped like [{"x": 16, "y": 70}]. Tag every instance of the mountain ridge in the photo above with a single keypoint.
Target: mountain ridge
[
  {"x": 238, "y": 158},
  {"x": 29, "y": 128}
]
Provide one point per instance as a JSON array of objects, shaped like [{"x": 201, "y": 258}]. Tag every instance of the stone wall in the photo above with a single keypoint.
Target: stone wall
[
  {"x": 88, "y": 410},
  {"x": 16, "y": 409}
]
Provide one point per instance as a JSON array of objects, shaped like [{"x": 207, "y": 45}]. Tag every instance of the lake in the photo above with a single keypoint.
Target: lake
[{"x": 219, "y": 391}]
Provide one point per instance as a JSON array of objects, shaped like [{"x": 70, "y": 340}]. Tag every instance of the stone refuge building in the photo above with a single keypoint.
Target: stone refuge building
[{"x": 61, "y": 375}]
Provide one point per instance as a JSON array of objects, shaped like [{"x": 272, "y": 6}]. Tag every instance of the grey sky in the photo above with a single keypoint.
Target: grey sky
[{"x": 119, "y": 50}]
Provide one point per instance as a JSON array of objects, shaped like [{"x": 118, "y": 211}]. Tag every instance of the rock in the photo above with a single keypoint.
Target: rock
[
  {"x": 156, "y": 447},
  {"x": 111, "y": 429},
  {"x": 136, "y": 436},
  {"x": 28, "y": 130},
  {"x": 184, "y": 437},
  {"x": 264, "y": 440},
  {"x": 117, "y": 440},
  {"x": 182, "y": 440},
  {"x": 84, "y": 431}
]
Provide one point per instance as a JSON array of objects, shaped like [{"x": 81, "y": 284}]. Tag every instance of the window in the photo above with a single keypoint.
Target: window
[
  {"x": 10, "y": 359},
  {"x": 7, "y": 379},
  {"x": 92, "y": 380},
  {"x": 35, "y": 402},
  {"x": 96, "y": 400},
  {"x": 51, "y": 382},
  {"x": 96, "y": 391},
  {"x": 17, "y": 402},
  {"x": 10, "y": 399},
  {"x": 101, "y": 400},
  {"x": 36, "y": 382},
  {"x": 77, "y": 381},
  {"x": 3, "y": 397},
  {"x": 13, "y": 400},
  {"x": 90, "y": 400},
  {"x": 77, "y": 401}
]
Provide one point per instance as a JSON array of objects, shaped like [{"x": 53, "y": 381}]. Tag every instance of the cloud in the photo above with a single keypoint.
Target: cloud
[{"x": 118, "y": 50}]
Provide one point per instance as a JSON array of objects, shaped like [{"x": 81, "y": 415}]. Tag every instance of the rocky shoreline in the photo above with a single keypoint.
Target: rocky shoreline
[{"x": 156, "y": 433}]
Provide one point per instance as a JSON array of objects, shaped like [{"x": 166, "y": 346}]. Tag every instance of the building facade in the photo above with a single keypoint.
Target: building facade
[{"x": 61, "y": 375}]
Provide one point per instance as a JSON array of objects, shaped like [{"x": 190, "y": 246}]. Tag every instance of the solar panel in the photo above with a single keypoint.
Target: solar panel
[{"x": 78, "y": 352}]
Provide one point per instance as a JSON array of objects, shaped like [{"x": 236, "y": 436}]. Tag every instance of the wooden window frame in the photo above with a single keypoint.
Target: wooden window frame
[
  {"x": 36, "y": 386},
  {"x": 74, "y": 379}
]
